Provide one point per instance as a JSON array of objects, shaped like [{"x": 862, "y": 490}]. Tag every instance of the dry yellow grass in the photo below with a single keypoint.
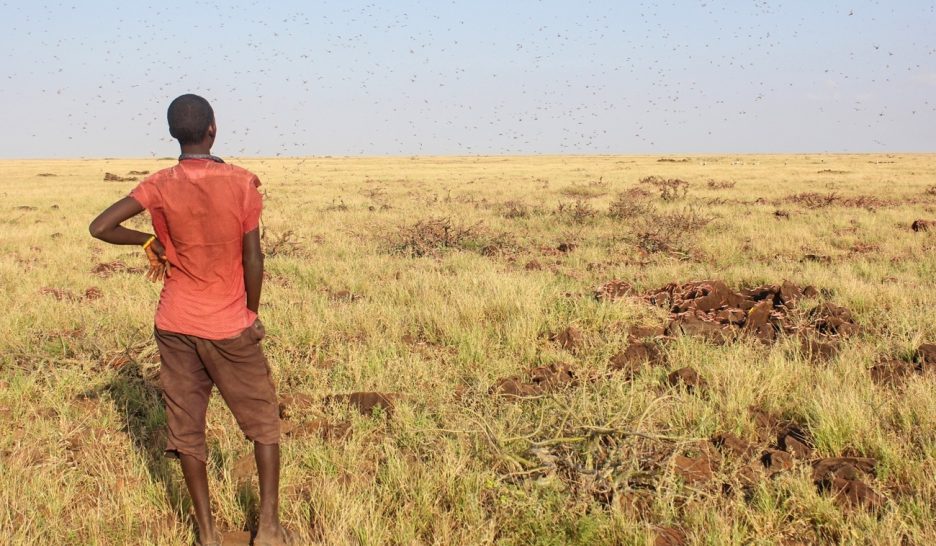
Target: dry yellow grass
[{"x": 80, "y": 454}]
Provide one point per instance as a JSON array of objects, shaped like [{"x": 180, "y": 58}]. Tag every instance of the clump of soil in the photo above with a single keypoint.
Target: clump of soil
[
  {"x": 569, "y": 339},
  {"x": 893, "y": 372},
  {"x": 542, "y": 380},
  {"x": 842, "y": 478},
  {"x": 637, "y": 355},
  {"x": 923, "y": 225},
  {"x": 613, "y": 290},
  {"x": 689, "y": 378},
  {"x": 711, "y": 310}
]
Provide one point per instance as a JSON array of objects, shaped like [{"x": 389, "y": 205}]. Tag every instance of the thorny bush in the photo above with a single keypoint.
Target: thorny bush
[
  {"x": 670, "y": 189},
  {"x": 432, "y": 236}
]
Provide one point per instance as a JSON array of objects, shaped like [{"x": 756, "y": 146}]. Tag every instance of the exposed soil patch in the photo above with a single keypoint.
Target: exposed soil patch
[{"x": 46, "y": 175}]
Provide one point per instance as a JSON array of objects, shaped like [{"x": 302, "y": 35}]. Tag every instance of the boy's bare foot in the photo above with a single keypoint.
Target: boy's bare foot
[
  {"x": 209, "y": 537},
  {"x": 273, "y": 536}
]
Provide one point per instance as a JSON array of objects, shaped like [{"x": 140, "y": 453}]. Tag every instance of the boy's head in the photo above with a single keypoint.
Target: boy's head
[{"x": 191, "y": 119}]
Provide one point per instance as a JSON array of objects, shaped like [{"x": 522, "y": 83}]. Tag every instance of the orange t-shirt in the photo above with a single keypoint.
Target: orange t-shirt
[{"x": 201, "y": 210}]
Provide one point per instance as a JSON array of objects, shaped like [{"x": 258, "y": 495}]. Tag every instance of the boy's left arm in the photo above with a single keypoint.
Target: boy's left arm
[{"x": 107, "y": 227}]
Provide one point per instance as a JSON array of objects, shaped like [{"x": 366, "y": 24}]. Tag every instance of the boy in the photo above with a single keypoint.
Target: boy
[{"x": 206, "y": 216}]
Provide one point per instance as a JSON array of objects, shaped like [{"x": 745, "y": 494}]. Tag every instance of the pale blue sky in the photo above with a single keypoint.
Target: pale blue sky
[{"x": 508, "y": 77}]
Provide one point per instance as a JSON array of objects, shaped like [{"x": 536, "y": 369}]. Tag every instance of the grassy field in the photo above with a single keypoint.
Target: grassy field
[{"x": 432, "y": 279}]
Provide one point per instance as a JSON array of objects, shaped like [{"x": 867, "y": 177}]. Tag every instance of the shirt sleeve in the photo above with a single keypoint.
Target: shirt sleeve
[
  {"x": 253, "y": 206},
  {"x": 145, "y": 193}
]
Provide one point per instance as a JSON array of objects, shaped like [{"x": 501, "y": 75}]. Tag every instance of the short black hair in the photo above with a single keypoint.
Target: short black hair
[{"x": 189, "y": 117}]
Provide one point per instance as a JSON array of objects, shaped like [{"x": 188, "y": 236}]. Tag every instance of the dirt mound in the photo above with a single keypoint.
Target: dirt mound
[
  {"x": 696, "y": 469},
  {"x": 923, "y": 225},
  {"x": 669, "y": 536},
  {"x": 689, "y": 378},
  {"x": 637, "y": 355},
  {"x": 894, "y": 371},
  {"x": 713, "y": 311},
  {"x": 542, "y": 380},
  {"x": 613, "y": 290},
  {"x": 569, "y": 339},
  {"x": 842, "y": 478},
  {"x": 926, "y": 354}
]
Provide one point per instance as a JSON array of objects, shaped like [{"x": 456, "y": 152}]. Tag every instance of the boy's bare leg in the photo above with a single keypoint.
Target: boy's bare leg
[
  {"x": 196, "y": 479},
  {"x": 269, "y": 531}
]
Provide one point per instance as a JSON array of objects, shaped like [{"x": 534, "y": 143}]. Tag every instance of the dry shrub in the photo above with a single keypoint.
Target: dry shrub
[
  {"x": 579, "y": 212},
  {"x": 813, "y": 200},
  {"x": 337, "y": 205},
  {"x": 514, "y": 209},
  {"x": 669, "y": 231},
  {"x": 720, "y": 184},
  {"x": 284, "y": 244},
  {"x": 671, "y": 160},
  {"x": 930, "y": 190},
  {"x": 432, "y": 236},
  {"x": 590, "y": 190},
  {"x": 670, "y": 189},
  {"x": 630, "y": 204}
]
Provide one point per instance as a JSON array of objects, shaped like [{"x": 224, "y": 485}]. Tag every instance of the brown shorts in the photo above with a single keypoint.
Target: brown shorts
[{"x": 192, "y": 365}]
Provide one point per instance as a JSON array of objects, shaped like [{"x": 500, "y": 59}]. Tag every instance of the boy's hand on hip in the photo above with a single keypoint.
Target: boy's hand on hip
[{"x": 159, "y": 265}]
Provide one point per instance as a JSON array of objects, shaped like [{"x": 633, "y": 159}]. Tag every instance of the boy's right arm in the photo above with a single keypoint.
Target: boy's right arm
[{"x": 253, "y": 268}]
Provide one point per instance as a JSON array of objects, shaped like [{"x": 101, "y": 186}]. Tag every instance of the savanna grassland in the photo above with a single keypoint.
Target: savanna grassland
[{"x": 521, "y": 398}]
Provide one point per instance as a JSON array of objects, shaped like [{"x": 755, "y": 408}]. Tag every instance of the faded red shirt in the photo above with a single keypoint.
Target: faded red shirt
[{"x": 201, "y": 210}]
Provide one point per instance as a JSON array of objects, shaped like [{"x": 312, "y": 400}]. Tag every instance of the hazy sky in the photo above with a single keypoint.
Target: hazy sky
[{"x": 508, "y": 77}]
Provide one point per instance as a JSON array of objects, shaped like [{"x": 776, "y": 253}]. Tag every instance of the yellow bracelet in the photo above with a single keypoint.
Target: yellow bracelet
[{"x": 149, "y": 241}]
